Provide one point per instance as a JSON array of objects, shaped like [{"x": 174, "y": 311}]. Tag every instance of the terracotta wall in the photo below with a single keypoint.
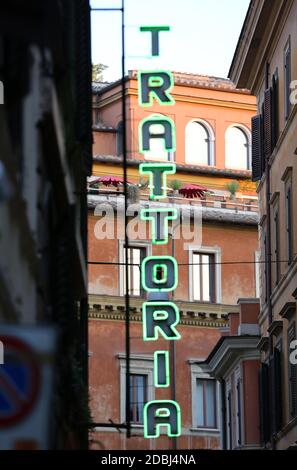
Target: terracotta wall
[
  {"x": 218, "y": 108},
  {"x": 237, "y": 244},
  {"x": 196, "y": 342}
]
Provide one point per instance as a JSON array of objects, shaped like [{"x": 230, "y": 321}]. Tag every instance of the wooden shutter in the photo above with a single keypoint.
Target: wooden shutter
[
  {"x": 267, "y": 123},
  {"x": 277, "y": 389},
  {"x": 257, "y": 165},
  {"x": 287, "y": 80},
  {"x": 274, "y": 111},
  {"x": 292, "y": 376},
  {"x": 264, "y": 398}
]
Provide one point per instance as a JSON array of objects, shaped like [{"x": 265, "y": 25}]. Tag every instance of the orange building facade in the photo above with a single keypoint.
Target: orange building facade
[{"x": 215, "y": 245}]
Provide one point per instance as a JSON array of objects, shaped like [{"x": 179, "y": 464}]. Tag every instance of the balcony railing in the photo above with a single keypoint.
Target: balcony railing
[{"x": 238, "y": 203}]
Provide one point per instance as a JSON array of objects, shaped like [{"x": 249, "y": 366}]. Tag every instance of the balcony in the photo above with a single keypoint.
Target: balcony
[{"x": 215, "y": 207}]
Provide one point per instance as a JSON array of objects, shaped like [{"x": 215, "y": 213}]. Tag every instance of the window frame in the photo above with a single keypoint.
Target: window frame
[
  {"x": 204, "y": 404},
  {"x": 257, "y": 273},
  {"x": 119, "y": 138},
  {"x": 288, "y": 219},
  {"x": 229, "y": 414},
  {"x": 291, "y": 335},
  {"x": 247, "y": 132},
  {"x": 133, "y": 244},
  {"x": 145, "y": 376},
  {"x": 197, "y": 373},
  {"x": 216, "y": 252},
  {"x": 140, "y": 364},
  {"x": 211, "y": 142},
  {"x": 212, "y": 276},
  {"x": 276, "y": 239},
  {"x": 287, "y": 79},
  {"x": 239, "y": 404}
]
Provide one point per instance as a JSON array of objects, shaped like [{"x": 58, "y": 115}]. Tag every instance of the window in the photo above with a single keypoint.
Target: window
[
  {"x": 274, "y": 109},
  {"x": 204, "y": 277},
  {"x": 229, "y": 418},
  {"x": 119, "y": 139},
  {"x": 289, "y": 225},
  {"x": 199, "y": 143},
  {"x": 135, "y": 257},
  {"x": 137, "y": 251},
  {"x": 276, "y": 245},
  {"x": 257, "y": 272},
  {"x": 266, "y": 284},
  {"x": 292, "y": 375},
  {"x": 141, "y": 386},
  {"x": 238, "y": 411},
  {"x": 287, "y": 78},
  {"x": 237, "y": 149},
  {"x": 206, "y": 403},
  {"x": 138, "y": 397}
]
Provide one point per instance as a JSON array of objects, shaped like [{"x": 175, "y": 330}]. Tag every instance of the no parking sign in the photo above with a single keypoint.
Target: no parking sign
[{"x": 26, "y": 378}]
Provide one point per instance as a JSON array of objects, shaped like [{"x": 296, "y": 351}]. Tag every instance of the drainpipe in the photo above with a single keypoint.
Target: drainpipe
[{"x": 223, "y": 413}]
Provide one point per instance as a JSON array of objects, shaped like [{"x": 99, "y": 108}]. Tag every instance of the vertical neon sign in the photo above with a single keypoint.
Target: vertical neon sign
[{"x": 159, "y": 274}]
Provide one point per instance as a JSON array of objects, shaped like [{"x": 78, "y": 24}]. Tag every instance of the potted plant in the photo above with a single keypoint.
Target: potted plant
[
  {"x": 133, "y": 193},
  {"x": 232, "y": 187},
  {"x": 175, "y": 185}
]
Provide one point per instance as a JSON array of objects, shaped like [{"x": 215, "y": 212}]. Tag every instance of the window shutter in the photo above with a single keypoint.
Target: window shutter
[
  {"x": 277, "y": 389},
  {"x": 274, "y": 111},
  {"x": 292, "y": 376},
  {"x": 287, "y": 80},
  {"x": 257, "y": 166},
  {"x": 264, "y": 403},
  {"x": 267, "y": 123}
]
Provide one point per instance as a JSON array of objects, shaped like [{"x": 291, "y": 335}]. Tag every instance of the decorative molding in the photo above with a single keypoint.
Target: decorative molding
[
  {"x": 191, "y": 313},
  {"x": 263, "y": 344},
  {"x": 275, "y": 328},
  {"x": 288, "y": 310}
]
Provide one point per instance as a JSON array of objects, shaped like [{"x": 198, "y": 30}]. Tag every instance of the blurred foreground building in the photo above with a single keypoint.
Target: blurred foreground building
[{"x": 45, "y": 157}]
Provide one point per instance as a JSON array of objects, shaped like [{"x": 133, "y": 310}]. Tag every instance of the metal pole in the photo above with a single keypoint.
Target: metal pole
[
  {"x": 127, "y": 300},
  {"x": 173, "y": 346}
]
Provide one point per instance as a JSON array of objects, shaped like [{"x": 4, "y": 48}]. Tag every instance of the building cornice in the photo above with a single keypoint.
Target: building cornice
[
  {"x": 105, "y": 307},
  {"x": 228, "y": 351},
  {"x": 260, "y": 32},
  {"x": 180, "y": 98},
  {"x": 183, "y": 168}
]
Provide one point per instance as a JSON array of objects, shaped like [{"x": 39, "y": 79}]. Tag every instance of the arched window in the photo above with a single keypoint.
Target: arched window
[
  {"x": 120, "y": 139},
  {"x": 199, "y": 143},
  {"x": 157, "y": 151},
  {"x": 237, "y": 148}
]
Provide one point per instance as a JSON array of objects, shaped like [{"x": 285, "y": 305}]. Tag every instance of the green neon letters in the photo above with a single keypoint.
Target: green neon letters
[
  {"x": 157, "y": 177},
  {"x": 159, "y": 218},
  {"x": 168, "y": 133},
  {"x": 158, "y": 273},
  {"x": 161, "y": 369},
  {"x": 149, "y": 280},
  {"x": 158, "y": 413},
  {"x": 160, "y": 318},
  {"x": 155, "y": 84},
  {"x": 154, "y": 30}
]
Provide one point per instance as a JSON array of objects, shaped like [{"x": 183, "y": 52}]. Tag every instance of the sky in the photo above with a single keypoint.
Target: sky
[{"x": 202, "y": 38}]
